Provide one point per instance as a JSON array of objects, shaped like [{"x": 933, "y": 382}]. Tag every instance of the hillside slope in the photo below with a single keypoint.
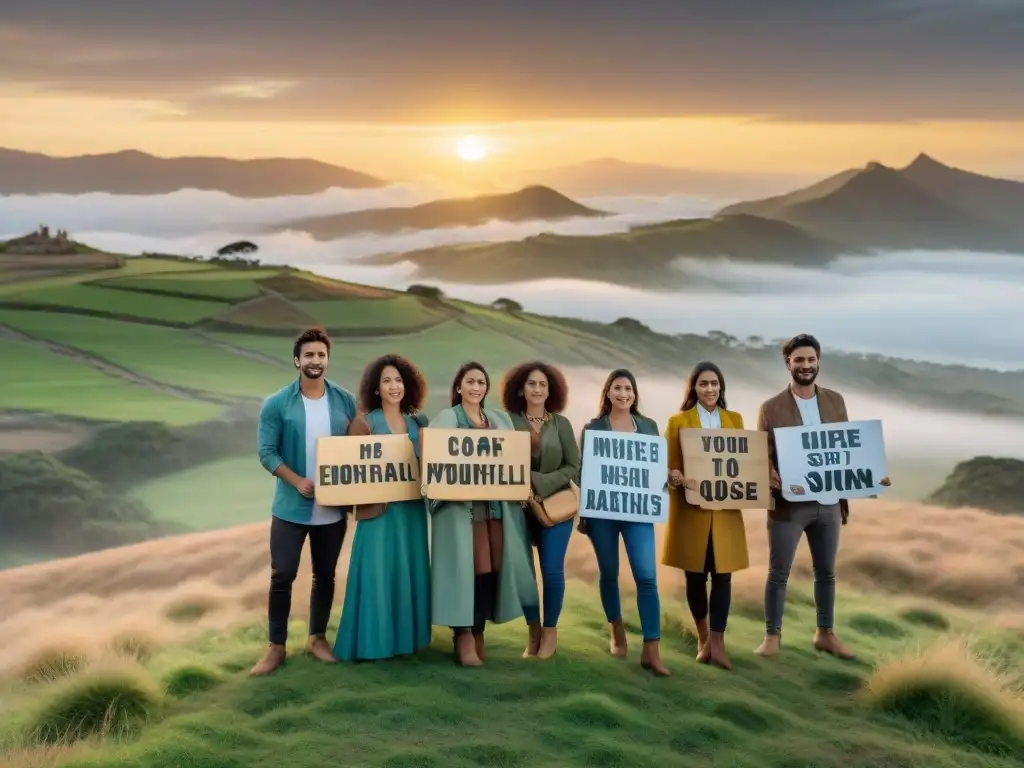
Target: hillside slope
[
  {"x": 136, "y": 173},
  {"x": 641, "y": 257},
  {"x": 529, "y": 203}
]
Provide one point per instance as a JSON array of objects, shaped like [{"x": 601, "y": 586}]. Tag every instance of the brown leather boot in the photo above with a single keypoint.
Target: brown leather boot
[
  {"x": 548, "y": 643},
  {"x": 650, "y": 658},
  {"x": 617, "y": 645},
  {"x": 770, "y": 646},
  {"x": 826, "y": 640},
  {"x": 481, "y": 647},
  {"x": 465, "y": 650},
  {"x": 318, "y": 648},
  {"x": 532, "y": 642},
  {"x": 272, "y": 659},
  {"x": 716, "y": 650}
]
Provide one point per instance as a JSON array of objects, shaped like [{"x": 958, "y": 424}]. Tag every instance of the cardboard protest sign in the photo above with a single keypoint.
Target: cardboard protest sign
[
  {"x": 476, "y": 465},
  {"x": 843, "y": 460},
  {"x": 730, "y": 466},
  {"x": 624, "y": 477},
  {"x": 365, "y": 469}
]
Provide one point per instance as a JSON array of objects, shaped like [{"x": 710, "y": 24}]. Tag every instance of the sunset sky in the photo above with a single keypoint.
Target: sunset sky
[{"x": 391, "y": 86}]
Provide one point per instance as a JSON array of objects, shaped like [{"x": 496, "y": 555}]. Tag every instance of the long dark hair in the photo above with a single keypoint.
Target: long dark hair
[
  {"x": 412, "y": 378},
  {"x": 463, "y": 370},
  {"x": 690, "y": 390},
  {"x": 605, "y": 406}
]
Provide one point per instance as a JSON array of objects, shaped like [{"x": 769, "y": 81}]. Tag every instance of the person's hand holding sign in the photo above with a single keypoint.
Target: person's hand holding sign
[
  {"x": 774, "y": 481},
  {"x": 675, "y": 478}
]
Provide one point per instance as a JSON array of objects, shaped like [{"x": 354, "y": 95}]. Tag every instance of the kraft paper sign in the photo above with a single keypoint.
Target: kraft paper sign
[
  {"x": 476, "y": 464},
  {"x": 365, "y": 469},
  {"x": 730, "y": 466}
]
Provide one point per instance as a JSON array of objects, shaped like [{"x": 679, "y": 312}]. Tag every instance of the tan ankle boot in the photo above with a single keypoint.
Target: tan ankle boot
[
  {"x": 617, "y": 645},
  {"x": 716, "y": 650},
  {"x": 480, "y": 646},
  {"x": 770, "y": 646},
  {"x": 318, "y": 648},
  {"x": 272, "y": 659},
  {"x": 548, "y": 643},
  {"x": 650, "y": 658},
  {"x": 532, "y": 641},
  {"x": 465, "y": 650},
  {"x": 826, "y": 640}
]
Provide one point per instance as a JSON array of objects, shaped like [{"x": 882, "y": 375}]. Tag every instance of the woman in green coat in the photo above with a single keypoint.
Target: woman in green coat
[
  {"x": 481, "y": 559},
  {"x": 534, "y": 395}
]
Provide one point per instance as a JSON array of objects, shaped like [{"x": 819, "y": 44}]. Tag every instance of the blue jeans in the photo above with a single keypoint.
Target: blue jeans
[
  {"x": 554, "y": 542},
  {"x": 639, "y": 540}
]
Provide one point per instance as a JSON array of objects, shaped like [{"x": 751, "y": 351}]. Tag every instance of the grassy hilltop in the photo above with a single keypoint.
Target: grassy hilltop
[{"x": 137, "y": 657}]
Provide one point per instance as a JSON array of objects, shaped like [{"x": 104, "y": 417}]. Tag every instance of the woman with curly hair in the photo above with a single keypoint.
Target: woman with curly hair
[
  {"x": 534, "y": 395},
  {"x": 482, "y": 563},
  {"x": 387, "y": 595}
]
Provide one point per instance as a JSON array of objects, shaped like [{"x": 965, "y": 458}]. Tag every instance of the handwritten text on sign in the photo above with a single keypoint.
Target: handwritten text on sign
[
  {"x": 843, "y": 460},
  {"x": 476, "y": 465},
  {"x": 623, "y": 477},
  {"x": 729, "y": 465},
  {"x": 365, "y": 470}
]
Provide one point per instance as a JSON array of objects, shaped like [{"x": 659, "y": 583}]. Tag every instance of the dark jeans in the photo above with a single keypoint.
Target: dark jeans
[
  {"x": 821, "y": 525},
  {"x": 552, "y": 544},
  {"x": 721, "y": 592},
  {"x": 286, "y": 542}
]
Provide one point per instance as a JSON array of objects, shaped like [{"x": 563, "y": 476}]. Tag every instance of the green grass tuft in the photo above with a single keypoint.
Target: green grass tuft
[
  {"x": 925, "y": 617},
  {"x": 190, "y": 679},
  {"x": 111, "y": 702}
]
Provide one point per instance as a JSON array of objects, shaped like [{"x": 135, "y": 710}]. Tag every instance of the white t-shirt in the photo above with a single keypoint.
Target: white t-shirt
[
  {"x": 318, "y": 424},
  {"x": 808, "y": 410}
]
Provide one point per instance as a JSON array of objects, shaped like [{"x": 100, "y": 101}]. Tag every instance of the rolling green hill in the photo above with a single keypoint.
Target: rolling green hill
[
  {"x": 926, "y": 205},
  {"x": 158, "y": 365},
  {"x": 529, "y": 203}
]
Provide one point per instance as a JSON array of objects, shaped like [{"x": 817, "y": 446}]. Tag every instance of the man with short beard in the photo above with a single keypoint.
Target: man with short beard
[
  {"x": 802, "y": 403},
  {"x": 291, "y": 420}
]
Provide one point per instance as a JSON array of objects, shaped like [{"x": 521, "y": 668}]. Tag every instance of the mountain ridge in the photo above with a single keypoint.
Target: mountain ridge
[
  {"x": 533, "y": 202},
  {"x": 132, "y": 172}
]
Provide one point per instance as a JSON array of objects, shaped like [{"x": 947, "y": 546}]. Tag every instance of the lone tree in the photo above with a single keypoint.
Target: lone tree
[
  {"x": 241, "y": 246},
  {"x": 507, "y": 305}
]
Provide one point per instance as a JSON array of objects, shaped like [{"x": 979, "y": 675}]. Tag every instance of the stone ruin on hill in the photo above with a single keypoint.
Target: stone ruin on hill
[{"x": 42, "y": 242}]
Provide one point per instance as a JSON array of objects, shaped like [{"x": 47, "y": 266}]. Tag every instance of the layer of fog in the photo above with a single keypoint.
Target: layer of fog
[
  {"x": 955, "y": 307},
  {"x": 911, "y": 433},
  {"x": 203, "y": 221}
]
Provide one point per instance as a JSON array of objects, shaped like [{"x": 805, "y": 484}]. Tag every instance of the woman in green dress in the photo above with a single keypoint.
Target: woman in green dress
[
  {"x": 482, "y": 561},
  {"x": 386, "y": 612}
]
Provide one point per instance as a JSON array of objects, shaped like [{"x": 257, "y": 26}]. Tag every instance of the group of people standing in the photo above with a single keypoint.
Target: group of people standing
[{"x": 474, "y": 563}]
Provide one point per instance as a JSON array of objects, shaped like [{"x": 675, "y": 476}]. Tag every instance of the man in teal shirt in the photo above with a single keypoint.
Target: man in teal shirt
[{"x": 291, "y": 421}]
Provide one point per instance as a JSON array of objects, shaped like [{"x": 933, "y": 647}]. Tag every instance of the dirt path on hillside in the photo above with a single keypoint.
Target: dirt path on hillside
[{"x": 116, "y": 371}]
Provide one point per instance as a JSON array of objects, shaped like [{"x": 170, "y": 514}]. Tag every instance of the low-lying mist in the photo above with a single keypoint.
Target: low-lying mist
[{"x": 952, "y": 307}]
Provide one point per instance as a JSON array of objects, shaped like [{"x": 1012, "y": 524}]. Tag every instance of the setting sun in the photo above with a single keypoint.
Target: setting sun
[{"x": 471, "y": 149}]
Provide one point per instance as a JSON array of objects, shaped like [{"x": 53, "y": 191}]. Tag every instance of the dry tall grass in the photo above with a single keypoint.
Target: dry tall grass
[{"x": 133, "y": 598}]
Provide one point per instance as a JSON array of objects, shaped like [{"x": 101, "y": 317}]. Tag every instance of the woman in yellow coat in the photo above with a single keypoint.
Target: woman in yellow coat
[{"x": 703, "y": 542}]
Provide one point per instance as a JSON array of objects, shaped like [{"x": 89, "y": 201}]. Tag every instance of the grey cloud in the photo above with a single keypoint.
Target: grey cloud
[{"x": 406, "y": 60}]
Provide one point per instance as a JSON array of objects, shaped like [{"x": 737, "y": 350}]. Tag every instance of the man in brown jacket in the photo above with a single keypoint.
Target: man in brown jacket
[{"x": 802, "y": 402}]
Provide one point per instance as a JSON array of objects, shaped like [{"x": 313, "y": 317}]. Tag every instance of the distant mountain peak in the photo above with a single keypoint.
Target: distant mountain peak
[{"x": 924, "y": 160}]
